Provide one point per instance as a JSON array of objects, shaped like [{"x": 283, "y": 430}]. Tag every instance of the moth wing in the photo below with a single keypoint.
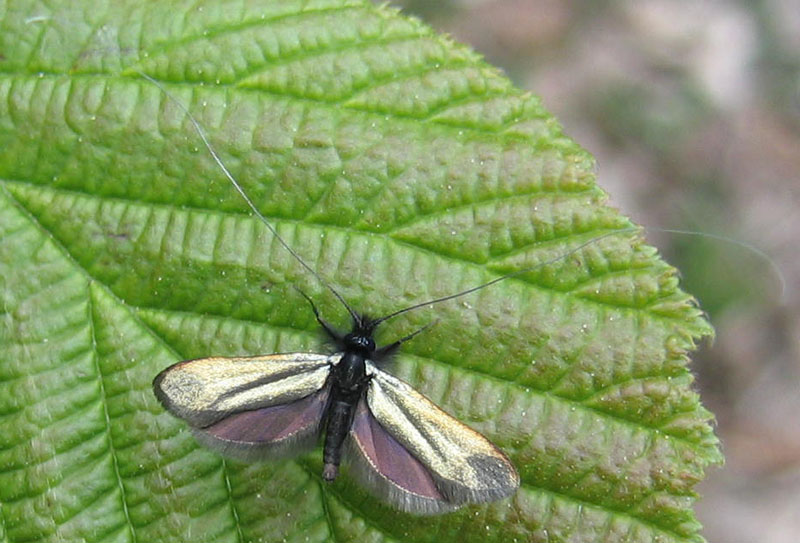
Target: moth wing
[
  {"x": 205, "y": 390},
  {"x": 274, "y": 432},
  {"x": 250, "y": 407},
  {"x": 389, "y": 470},
  {"x": 464, "y": 466}
]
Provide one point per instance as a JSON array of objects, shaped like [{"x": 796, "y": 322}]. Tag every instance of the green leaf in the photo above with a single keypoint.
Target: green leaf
[{"x": 401, "y": 167}]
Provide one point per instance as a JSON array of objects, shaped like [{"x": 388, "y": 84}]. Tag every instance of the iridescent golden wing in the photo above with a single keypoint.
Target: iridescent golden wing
[
  {"x": 250, "y": 407},
  {"x": 420, "y": 459}
]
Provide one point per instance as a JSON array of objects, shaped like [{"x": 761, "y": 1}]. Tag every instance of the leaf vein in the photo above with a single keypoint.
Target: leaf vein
[
  {"x": 495, "y": 199},
  {"x": 229, "y": 491},
  {"x": 107, "y": 418},
  {"x": 334, "y": 109},
  {"x": 214, "y": 32},
  {"x": 407, "y": 75},
  {"x": 508, "y": 93},
  {"x": 340, "y": 47},
  {"x": 325, "y": 506}
]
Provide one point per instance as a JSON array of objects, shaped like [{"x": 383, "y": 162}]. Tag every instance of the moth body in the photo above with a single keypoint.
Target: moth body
[{"x": 348, "y": 382}]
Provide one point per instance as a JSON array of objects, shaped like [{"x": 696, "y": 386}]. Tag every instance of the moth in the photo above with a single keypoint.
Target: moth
[{"x": 399, "y": 444}]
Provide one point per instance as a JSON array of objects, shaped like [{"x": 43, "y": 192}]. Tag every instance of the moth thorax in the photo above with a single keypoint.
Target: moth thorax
[{"x": 350, "y": 371}]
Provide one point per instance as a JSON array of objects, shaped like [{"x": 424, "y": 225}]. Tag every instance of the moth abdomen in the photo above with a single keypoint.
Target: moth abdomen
[{"x": 340, "y": 419}]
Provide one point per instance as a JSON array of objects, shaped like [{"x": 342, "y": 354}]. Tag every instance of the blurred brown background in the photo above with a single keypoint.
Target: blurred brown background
[{"x": 692, "y": 110}]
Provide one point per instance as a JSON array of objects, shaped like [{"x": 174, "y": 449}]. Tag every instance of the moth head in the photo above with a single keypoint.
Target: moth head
[{"x": 360, "y": 338}]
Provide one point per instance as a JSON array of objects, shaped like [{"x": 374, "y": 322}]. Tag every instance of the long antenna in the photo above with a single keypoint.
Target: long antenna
[
  {"x": 776, "y": 270},
  {"x": 506, "y": 276},
  {"x": 744, "y": 245},
  {"x": 244, "y": 195}
]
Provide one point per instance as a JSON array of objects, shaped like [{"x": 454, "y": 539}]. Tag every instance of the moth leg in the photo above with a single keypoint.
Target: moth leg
[
  {"x": 387, "y": 350},
  {"x": 330, "y": 330}
]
